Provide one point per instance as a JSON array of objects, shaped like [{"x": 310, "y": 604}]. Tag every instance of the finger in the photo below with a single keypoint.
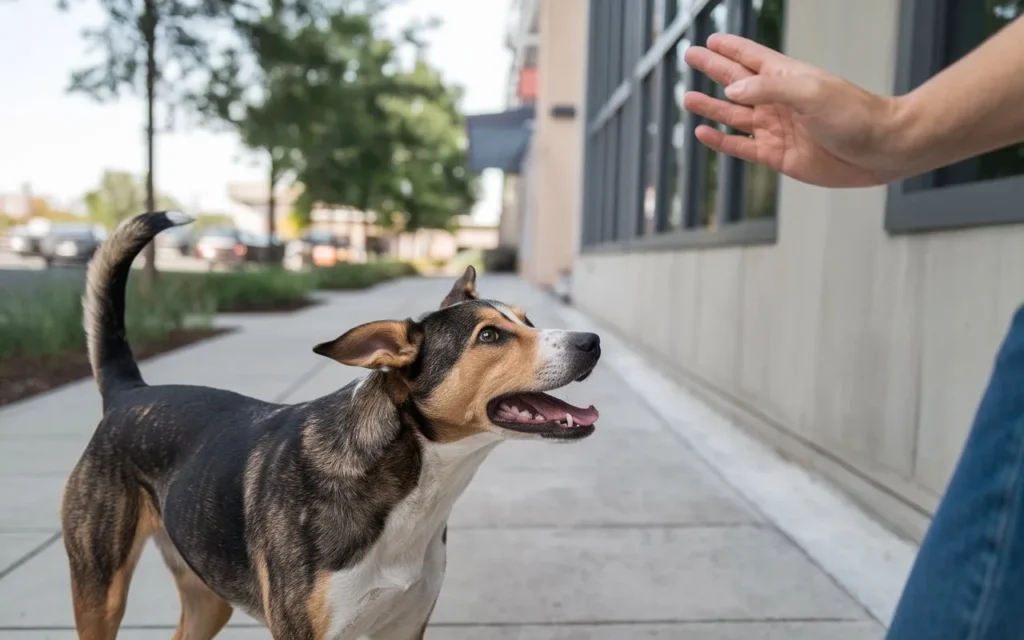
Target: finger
[
  {"x": 741, "y": 147},
  {"x": 800, "y": 91},
  {"x": 730, "y": 114},
  {"x": 715, "y": 66},
  {"x": 744, "y": 51}
]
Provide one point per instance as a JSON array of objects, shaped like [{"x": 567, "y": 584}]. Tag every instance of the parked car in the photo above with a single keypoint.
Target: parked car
[
  {"x": 179, "y": 239},
  {"x": 234, "y": 248},
  {"x": 316, "y": 248},
  {"x": 22, "y": 242},
  {"x": 70, "y": 243}
]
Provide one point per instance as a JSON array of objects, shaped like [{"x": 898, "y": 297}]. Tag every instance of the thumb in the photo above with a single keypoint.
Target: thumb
[{"x": 798, "y": 91}]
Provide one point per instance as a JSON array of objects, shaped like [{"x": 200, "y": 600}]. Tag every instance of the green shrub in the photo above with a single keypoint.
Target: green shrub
[
  {"x": 360, "y": 276},
  {"x": 48, "y": 320},
  {"x": 263, "y": 289}
]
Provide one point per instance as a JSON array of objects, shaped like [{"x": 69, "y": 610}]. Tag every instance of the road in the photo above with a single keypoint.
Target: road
[{"x": 18, "y": 273}]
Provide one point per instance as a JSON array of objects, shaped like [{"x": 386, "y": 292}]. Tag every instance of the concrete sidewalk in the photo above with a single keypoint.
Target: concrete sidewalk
[{"x": 629, "y": 534}]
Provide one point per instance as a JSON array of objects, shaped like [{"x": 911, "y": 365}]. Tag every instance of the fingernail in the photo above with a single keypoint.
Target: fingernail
[{"x": 737, "y": 89}]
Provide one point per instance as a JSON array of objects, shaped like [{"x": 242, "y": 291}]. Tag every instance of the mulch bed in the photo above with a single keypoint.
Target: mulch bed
[
  {"x": 25, "y": 376},
  {"x": 272, "y": 307}
]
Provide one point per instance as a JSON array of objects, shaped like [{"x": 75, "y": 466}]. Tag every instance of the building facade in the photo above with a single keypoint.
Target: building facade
[
  {"x": 538, "y": 140},
  {"x": 853, "y": 330}
]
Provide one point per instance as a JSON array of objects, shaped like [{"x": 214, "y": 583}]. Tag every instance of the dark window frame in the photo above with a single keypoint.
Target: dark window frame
[
  {"x": 914, "y": 205},
  {"x": 621, "y": 108}
]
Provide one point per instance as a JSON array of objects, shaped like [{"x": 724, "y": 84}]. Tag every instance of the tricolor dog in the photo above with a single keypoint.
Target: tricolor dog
[{"x": 325, "y": 519}]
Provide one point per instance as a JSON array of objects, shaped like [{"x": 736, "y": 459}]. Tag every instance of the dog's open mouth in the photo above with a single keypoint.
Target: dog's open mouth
[{"x": 541, "y": 414}]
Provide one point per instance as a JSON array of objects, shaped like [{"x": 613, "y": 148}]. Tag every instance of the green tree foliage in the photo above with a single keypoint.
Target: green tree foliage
[
  {"x": 163, "y": 49},
  {"x": 119, "y": 196},
  {"x": 330, "y": 104},
  {"x": 429, "y": 182}
]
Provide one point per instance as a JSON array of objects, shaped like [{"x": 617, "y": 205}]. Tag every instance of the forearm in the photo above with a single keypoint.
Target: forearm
[{"x": 973, "y": 106}]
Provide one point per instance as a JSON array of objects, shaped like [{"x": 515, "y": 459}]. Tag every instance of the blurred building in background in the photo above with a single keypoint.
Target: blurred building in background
[
  {"x": 538, "y": 140},
  {"x": 853, "y": 329}
]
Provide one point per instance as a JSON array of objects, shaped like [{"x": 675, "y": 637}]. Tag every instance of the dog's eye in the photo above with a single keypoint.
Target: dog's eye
[{"x": 488, "y": 335}]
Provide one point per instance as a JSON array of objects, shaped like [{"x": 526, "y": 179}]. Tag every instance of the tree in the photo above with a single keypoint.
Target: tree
[
  {"x": 367, "y": 133},
  {"x": 430, "y": 183},
  {"x": 330, "y": 105},
  {"x": 119, "y": 196},
  {"x": 162, "y": 49}
]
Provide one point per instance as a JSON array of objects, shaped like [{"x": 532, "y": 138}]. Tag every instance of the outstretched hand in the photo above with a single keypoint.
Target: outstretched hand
[{"x": 797, "y": 119}]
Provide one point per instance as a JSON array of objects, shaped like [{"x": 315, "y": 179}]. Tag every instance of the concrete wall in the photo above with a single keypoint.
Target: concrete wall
[
  {"x": 555, "y": 154},
  {"x": 860, "y": 354}
]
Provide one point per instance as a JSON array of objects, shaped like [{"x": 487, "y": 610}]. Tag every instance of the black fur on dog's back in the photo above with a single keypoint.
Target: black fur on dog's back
[{"x": 110, "y": 356}]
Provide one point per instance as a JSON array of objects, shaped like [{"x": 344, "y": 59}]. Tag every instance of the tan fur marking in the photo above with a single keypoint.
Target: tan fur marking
[
  {"x": 263, "y": 576},
  {"x": 318, "y": 606},
  {"x": 203, "y": 612},
  {"x": 98, "y": 616},
  {"x": 458, "y": 406}
]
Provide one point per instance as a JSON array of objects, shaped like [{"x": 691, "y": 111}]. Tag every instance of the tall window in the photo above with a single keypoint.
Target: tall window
[
  {"x": 984, "y": 190},
  {"x": 675, "y": 190}
]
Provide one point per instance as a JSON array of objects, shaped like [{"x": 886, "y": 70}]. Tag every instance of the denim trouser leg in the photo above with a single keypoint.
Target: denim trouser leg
[{"x": 968, "y": 580}]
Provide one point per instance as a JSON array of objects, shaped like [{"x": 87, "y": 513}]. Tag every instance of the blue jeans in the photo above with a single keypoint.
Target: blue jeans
[{"x": 968, "y": 580}]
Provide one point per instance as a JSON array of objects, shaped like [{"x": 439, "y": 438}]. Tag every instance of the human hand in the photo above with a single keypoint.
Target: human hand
[{"x": 797, "y": 119}]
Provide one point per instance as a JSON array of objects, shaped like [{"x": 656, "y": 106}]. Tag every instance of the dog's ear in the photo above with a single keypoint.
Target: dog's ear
[
  {"x": 384, "y": 344},
  {"x": 464, "y": 289}
]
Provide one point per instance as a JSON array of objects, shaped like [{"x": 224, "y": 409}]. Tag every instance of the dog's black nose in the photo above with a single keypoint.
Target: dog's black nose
[{"x": 586, "y": 342}]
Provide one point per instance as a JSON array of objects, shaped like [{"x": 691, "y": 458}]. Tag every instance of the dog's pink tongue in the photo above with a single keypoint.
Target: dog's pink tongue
[{"x": 553, "y": 409}]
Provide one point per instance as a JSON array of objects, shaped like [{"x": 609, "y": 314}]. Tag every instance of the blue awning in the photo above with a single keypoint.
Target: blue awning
[{"x": 499, "y": 140}]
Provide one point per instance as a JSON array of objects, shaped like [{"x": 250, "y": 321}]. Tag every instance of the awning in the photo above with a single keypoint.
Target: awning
[{"x": 499, "y": 140}]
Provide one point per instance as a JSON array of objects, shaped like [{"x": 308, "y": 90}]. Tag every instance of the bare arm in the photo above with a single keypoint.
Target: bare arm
[
  {"x": 819, "y": 128},
  {"x": 973, "y": 106}
]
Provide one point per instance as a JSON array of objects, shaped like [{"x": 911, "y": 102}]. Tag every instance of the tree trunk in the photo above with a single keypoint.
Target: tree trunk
[
  {"x": 271, "y": 210},
  {"x": 149, "y": 18}
]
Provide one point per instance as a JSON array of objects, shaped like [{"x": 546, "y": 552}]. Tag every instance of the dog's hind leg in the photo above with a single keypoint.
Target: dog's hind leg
[
  {"x": 203, "y": 612},
  {"x": 105, "y": 522}
]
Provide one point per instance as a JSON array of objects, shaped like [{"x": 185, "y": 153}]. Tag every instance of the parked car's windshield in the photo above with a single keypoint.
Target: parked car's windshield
[
  {"x": 220, "y": 233},
  {"x": 71, "y": 229}
]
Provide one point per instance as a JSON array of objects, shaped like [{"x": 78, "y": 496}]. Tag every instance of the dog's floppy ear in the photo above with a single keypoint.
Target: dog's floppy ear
[
  {"x": 384, "y": 344},
  {"x": 464, "y": 289}
]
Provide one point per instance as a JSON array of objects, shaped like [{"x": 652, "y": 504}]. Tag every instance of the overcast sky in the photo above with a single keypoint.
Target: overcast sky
[{"x": 60, "y": 144}]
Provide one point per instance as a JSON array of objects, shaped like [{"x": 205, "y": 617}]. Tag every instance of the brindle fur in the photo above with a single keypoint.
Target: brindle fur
[{"x": 255, "y": 504}]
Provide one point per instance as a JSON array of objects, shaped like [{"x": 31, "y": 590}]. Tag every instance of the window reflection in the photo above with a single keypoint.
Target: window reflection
[
  {"x": 970, "y": 23},
  {"x": 709, "y": 213},
  {"x": 656, "y": 19},
  {"x": 650, "y": 151},
  {"x": 679, "y": 72},
  {"x": 761, "y": 184}
]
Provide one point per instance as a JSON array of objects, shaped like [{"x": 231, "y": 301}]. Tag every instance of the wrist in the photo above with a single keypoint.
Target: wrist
[{"x": 902, "y": 138}]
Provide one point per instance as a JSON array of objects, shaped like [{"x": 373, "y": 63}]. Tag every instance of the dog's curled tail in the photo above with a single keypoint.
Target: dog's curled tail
[{"x": 113, "y": 364}]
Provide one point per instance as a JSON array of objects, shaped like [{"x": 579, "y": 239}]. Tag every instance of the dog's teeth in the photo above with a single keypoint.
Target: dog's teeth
[
  {"x": 504, "y": 407},
  {"x": 568, "y": 420}
]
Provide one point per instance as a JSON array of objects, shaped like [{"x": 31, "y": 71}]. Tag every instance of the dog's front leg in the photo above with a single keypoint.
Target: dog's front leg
[{"x": 294, "y": 604}]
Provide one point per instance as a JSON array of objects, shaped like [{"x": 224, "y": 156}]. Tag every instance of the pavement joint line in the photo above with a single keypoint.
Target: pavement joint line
[
  {"x": 672, "y": 526},
  {"x": 39, "y": 548},
  {"x": 863, "y": 558},
  {"x": 300, "y": 382}
]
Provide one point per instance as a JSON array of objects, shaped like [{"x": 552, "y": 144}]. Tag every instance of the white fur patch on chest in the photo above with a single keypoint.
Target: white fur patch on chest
[{"x": 391, "y": 591}]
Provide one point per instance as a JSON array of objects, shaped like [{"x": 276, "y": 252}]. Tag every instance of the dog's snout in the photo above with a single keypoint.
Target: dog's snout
[{"x": 586, "y": 342}]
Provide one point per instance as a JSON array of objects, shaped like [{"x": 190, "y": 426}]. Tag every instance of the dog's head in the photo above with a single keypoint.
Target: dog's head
[{"x": 478, "y": 366}]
